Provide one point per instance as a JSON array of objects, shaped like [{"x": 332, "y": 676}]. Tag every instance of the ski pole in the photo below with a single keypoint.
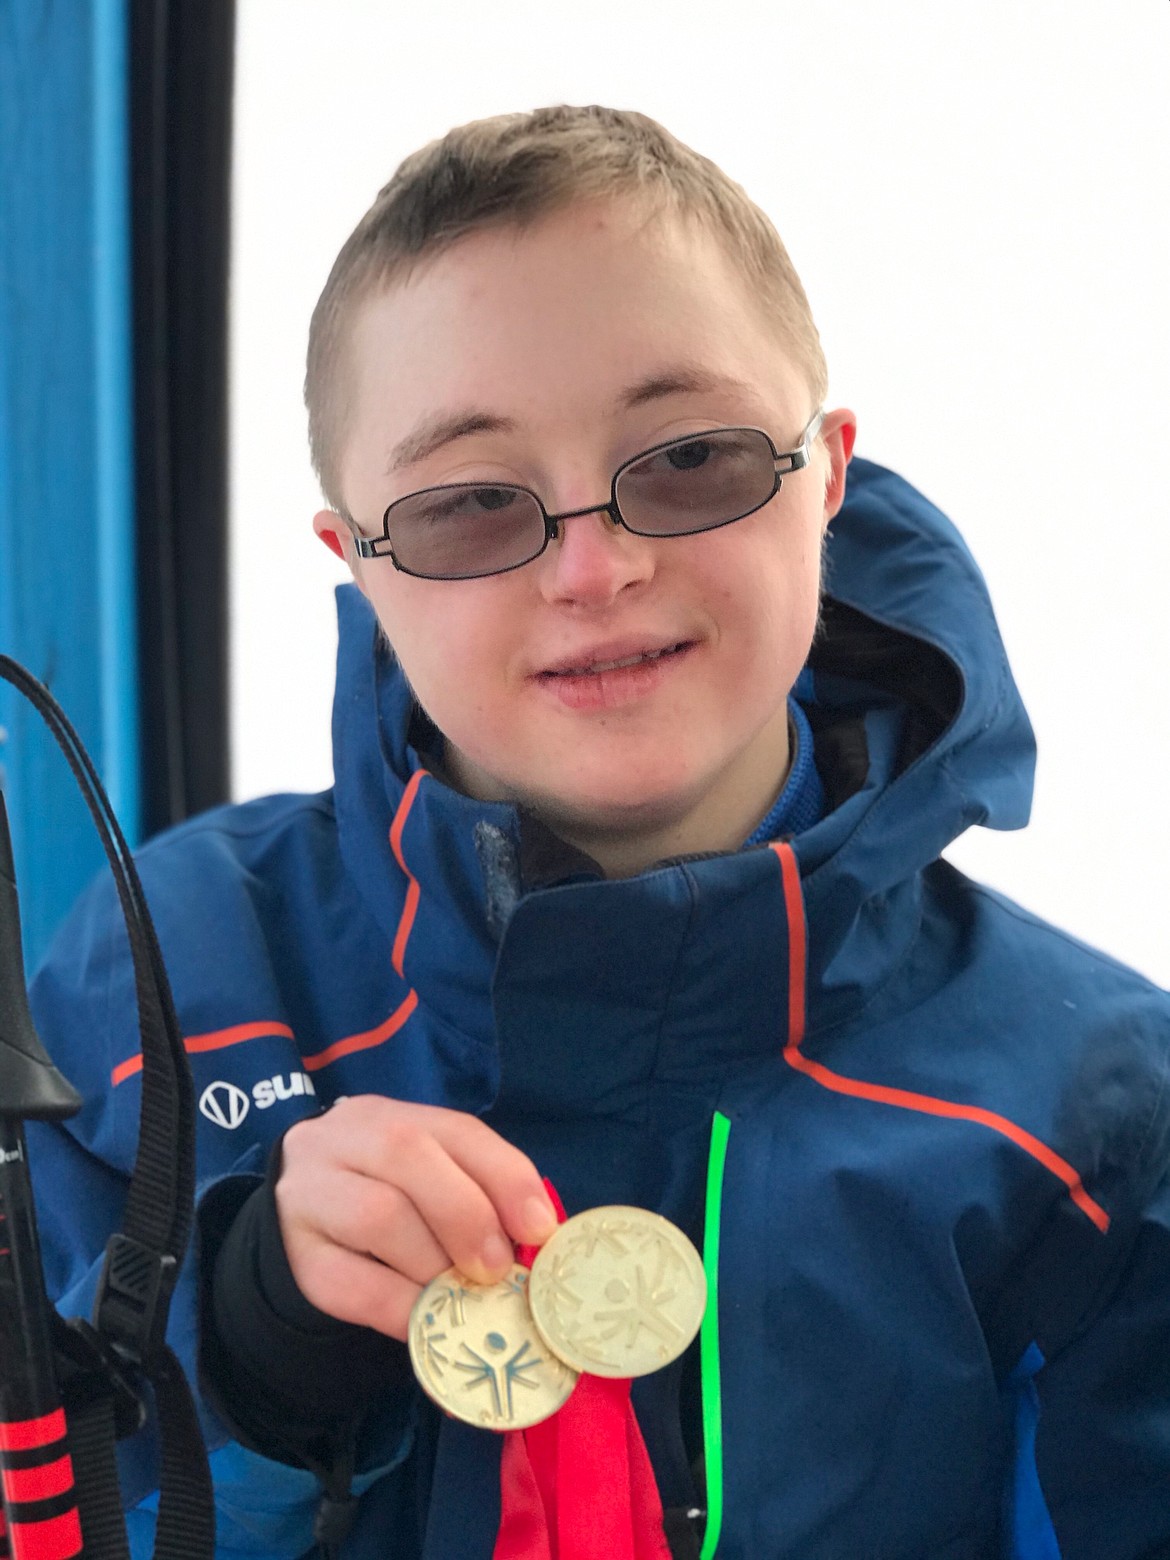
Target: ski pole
[{"x": 36, "y": 1472}]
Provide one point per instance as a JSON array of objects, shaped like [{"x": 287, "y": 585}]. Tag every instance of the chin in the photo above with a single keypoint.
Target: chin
[
  {"x": 606, "y": 798},
  {"x": 612, "y": 810}
]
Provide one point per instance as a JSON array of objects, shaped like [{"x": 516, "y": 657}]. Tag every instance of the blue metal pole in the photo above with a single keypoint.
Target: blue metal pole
[
  {"x": 114, "y": 402},
  {"x": 67, "y": 606}
]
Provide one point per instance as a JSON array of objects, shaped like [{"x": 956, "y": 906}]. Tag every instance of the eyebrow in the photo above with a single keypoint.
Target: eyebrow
[{"x": 433, "y": 432}]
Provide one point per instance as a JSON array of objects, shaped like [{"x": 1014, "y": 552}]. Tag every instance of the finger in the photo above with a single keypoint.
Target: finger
[
  {"x": 508, "y": 1177},
  {"x": 385, "y": 1139},
  {"x": 332, "y": 1168},
  {"x": 474, "y": 1212},
  {"x": 355, "y": 1288},
  {"x": 368, "y": 1217},
  {"x": 455, "y": 1208}
]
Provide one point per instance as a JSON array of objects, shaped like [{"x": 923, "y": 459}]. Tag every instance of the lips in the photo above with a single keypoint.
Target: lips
[
  {"x": 610, "y": 658},
  {"x": 614, "y": 675}
]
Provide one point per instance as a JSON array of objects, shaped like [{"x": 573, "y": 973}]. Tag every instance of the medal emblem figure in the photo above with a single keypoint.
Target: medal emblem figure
[
  {"x": 618, "y": 1292},
  {"x": 476, "y": 1352}
]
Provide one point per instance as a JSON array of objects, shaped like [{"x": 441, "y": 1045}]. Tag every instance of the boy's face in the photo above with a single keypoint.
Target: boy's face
[{"x": 546, "y": 331}]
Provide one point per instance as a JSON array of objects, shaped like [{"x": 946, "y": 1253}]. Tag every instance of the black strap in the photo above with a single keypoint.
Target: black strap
[
  {"x": 160, "y": 1199},
  {"x": 95, "y": 1479},
  {"x": 142, "y": 1260},
  {"x": 186, "y": 1511}
]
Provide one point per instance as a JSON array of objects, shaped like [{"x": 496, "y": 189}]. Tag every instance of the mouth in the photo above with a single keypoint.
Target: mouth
[
  {"x": 594, "y": 668},
  {"x": 595, "y": 682}
]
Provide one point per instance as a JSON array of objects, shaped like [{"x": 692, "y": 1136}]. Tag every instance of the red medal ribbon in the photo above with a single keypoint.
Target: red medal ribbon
[{"x": 579, "y": 1485}]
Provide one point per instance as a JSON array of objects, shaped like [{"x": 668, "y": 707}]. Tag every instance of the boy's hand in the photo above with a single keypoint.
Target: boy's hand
[{"x": 376, "y": 1197}]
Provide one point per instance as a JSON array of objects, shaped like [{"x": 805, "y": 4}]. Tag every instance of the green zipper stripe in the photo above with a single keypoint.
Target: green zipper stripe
[{"x": 709, "y": 1338}]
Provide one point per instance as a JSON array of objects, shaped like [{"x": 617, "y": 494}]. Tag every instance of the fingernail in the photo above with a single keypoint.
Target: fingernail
[
  {"x": 496, "y": 1253},
  {"x": 539, "y": 1219}
]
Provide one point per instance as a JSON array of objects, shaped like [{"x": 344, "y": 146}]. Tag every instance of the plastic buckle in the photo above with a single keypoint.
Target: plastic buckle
[
  {"x": 89, "y": 1368},
  {"x": 133, "y": 1298}
]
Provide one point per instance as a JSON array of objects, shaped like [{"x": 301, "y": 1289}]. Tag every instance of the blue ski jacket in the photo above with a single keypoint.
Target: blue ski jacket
[{"x": 920, "y": 1135}]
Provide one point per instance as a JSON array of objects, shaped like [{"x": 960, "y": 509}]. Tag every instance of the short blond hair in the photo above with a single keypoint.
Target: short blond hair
[{"x": 511, "y": 170}]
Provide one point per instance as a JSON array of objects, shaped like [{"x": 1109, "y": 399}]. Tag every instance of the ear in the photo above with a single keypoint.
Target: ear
[
  {"x": 838, "y": 431},
  {"x": 336, "y": 535}
]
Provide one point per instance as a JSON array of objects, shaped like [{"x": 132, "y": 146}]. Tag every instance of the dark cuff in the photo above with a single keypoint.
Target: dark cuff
[{"x": 288, "y": 1379}]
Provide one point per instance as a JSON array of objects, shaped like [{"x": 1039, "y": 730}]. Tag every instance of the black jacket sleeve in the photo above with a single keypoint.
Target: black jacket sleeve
[{"x": 291, "y": 1382}]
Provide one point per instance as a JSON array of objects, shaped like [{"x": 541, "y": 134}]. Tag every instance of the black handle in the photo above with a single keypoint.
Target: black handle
[{"x": 31, "y": 1088}]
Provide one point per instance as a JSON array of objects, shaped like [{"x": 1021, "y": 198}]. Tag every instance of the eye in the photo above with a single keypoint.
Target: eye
[
  {"x": 495, "y": 498},
  {"x": 690, "y": 466},
  {"x": 440, "y": 505},
  {"x": 689, "y": 456}
]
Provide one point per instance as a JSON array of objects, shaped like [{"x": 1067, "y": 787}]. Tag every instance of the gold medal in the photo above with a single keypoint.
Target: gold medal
[
  {"x": 617, "y": 1292},
  {"x": 476, "y": 1352}
]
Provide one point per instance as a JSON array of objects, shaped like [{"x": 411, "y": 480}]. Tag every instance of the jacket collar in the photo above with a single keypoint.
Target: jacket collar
[{"x": 919, "y": 732}]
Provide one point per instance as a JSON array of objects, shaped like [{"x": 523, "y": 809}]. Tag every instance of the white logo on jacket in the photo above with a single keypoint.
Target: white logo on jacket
[
  {"x": 269, "y": 1090},
  {"x": 225, "y": 1104}
]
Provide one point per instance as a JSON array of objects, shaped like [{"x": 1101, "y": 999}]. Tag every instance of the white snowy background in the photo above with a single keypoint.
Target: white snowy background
[{"x": 977, "y": 198}]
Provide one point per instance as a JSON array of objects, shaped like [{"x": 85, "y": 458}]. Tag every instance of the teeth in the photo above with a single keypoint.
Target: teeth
[{"x": 613, "y": 666}]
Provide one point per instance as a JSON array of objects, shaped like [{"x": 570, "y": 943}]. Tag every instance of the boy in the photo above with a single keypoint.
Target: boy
[{"x": 630, "y": 878}]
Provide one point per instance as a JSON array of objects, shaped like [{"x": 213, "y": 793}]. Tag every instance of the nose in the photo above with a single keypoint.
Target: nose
[{"x": 593, "y": 558}]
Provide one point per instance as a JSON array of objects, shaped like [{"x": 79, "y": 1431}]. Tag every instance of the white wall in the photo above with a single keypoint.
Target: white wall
[{"x": 978, "y": 200}]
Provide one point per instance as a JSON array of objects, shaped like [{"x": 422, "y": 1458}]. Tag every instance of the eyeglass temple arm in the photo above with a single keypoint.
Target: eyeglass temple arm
[
  {"x": 797, "y": 459},
  {"x": 372, "y": 546}
]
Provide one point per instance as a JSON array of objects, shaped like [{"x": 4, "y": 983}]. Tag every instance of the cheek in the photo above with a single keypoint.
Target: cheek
[
  {"x": 770, "y": 607},
  {"x": 449, "y": 639}
]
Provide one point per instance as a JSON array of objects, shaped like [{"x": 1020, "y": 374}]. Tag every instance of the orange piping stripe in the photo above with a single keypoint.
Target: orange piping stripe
[
  {"x": 797, "y": 958},
  {"x": 241, "y": 1032},
  {"x": 235, "y": 1036},
  {"x": 902, "y": 1099},
  {"x": 406, "y": 920},
  {"x": 363, "y": 1042},
  {"x": 215, "y": 1040}
]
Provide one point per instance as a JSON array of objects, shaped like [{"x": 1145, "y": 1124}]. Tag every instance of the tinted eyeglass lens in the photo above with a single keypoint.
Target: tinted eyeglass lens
[
  {"x": 697, "y": 484},
  {"x": 460, "y": 532},
  {"x": 467, "y": 530}
]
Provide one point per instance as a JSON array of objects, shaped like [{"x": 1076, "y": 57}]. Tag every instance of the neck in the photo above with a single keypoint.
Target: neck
[
  {"x": 720, "y": 821},
  {"x": 719, "y": 815}
]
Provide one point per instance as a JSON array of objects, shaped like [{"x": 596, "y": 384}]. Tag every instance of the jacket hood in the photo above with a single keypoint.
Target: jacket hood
[
  {"x": 907, "y": 613},
  {"x": 919, "y": 732}
]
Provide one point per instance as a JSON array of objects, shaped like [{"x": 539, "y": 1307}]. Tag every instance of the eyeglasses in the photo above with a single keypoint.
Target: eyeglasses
[{"x": 468, "y": 530}]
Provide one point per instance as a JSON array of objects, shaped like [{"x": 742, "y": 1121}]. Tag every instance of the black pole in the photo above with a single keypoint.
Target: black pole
[
  {"x": 35, "y": 1467},
  {"x": 181, "y": 75},
  {"x": 40, "y": 1500}
]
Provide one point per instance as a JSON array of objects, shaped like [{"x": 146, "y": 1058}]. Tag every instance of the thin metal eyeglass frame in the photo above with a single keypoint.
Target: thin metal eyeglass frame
[{"x": 797, "y": 459}]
